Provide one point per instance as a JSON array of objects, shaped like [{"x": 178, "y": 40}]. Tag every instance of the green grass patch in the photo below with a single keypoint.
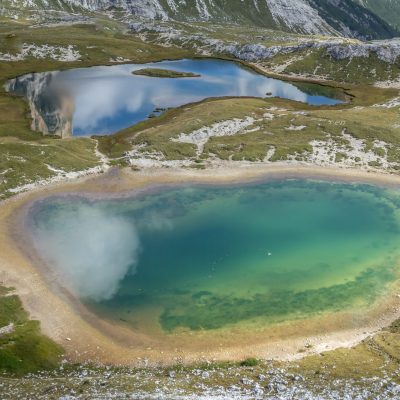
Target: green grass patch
[
  {"x": 250, "y": 362},
  {"x": 23, "y": 349},
  {"x": 24, "y": 162},
  {"x": 355, "y": 70},
  {"x": 164, "y": 73}
]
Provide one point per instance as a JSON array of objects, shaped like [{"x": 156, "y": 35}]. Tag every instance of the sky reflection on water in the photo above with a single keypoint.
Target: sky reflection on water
[{"x": 110, "y": 98}]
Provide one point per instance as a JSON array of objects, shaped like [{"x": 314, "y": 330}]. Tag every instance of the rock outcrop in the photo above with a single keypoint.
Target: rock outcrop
[{"x": 51, "y": 107}]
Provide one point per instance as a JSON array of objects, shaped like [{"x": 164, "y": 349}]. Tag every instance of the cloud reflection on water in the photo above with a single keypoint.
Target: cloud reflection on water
[
  {"x": 108, "y": 99},
  {"x": 90, "y": 250}
]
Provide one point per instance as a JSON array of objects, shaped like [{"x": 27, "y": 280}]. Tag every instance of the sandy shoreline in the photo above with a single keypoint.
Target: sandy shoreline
[{"x": 86, "y": 337}]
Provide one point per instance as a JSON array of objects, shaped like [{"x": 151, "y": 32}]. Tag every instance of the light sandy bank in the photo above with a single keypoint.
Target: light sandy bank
[{"x": 87, "y": 337}]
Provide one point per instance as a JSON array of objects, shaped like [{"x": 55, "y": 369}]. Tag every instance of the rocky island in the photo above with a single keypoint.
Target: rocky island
[{"x": 164, "y": 73}]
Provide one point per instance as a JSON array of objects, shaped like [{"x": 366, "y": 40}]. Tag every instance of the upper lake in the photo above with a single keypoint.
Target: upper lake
[{"x": 104, "y": 100}]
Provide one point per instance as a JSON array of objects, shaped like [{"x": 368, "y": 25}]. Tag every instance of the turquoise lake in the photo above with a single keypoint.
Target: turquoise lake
[
  {"x": 210, "y": 257},
  {"x": 107, "y": 99}
]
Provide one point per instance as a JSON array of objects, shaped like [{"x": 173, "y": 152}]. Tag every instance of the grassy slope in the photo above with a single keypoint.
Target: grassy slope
[
  {"x": 364, "y": 123},
  {"x": 358, "y": 70},
  {"x": 375, "y": 356},
  {"x": 388, "y": 10},
  {"x": 355, "y": 17},
  {"x": 228, "y": 11},
  {"x": 24, "y": 349}
]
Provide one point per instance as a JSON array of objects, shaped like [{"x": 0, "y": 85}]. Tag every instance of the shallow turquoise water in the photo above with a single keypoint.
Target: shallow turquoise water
[{"x": 212, "y": 257}]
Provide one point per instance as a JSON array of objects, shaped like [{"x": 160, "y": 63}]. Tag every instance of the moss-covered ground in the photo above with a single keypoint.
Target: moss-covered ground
[{"x": 23, "y": 349}]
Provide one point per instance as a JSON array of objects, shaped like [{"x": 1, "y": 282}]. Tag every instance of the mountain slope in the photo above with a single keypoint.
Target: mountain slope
[
  {"x": 14, "y": 8},
  {"x": 388, "y": 10},
  {"x": 352, "y": 19},
  {"x": 346, "y": 17},
  {"x": 328, "y": 17}
]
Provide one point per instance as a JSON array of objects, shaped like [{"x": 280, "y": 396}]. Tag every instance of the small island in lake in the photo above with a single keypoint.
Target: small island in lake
[{"x": 164, "y": 73}]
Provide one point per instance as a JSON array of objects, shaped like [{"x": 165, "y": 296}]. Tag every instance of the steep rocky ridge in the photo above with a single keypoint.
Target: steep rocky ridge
[
  {"x": 349, "y": 18},
  {"x": 337, "y": 48}
]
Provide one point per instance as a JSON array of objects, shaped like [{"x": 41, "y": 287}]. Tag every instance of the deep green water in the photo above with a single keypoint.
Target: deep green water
[{"x": 209, "y": 257}]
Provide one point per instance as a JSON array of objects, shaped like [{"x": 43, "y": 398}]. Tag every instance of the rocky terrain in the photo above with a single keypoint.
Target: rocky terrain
[
  {"x": 206, "y": 382},
  {"x": 335, "y": 48},
  {"x": 349, "y": 18}
]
